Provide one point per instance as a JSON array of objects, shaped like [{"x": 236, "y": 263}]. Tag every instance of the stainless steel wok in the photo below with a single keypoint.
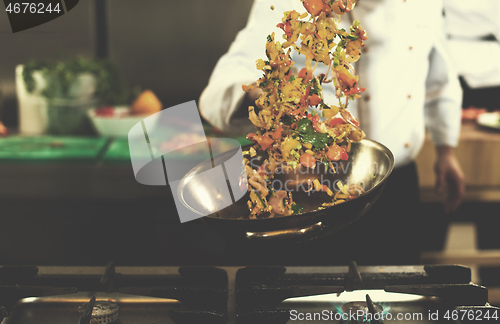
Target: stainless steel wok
[{"x": 369, "y": 165}]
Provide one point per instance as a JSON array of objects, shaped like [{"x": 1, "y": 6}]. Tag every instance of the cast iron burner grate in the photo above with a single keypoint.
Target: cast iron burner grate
[
  {"x": 256, "y": 295},
  {"x": 16, "y": 282},
  {"x": 259, "y": 290},
  {"x": 202, "y": 290}
]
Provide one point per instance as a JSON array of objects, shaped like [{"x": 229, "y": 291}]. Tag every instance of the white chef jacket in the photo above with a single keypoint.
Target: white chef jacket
[
  {"x": 404, "y": 67},
  {"x": 466, "y": 23}
]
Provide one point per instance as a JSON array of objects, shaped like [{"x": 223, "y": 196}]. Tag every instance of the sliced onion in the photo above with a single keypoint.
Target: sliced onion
[{"x": 349, "y": 118}]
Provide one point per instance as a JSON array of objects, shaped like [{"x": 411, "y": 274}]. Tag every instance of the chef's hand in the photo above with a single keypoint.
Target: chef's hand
[
  {"x": 449, "y": 175},
  {"x": 249, "y": 100}
]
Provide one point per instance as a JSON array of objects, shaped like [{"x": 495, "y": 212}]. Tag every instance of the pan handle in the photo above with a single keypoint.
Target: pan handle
[{"x": 284, "y": 234}]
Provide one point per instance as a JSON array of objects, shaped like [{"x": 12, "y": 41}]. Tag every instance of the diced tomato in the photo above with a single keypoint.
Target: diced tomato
[
  {"x": 314, "y": 120},
  {"x": 264, "y": 141},
  {"x": 307, "y": 160},
  {"x": 335, "y": 152},
  {"x": 277, "y": 133},
  {"x": 314, "y": 7},
  {"x": 305, "y": 75},
  {"x": 305, "y": 97},
  {"x": 362, "y": 35},
  {"x": 106, "y": 111},
  {"x": 336, "y": 121},
  {"x": 344, "y": 155},
  {"x": 287, "y": 28},
  {"x": 314, "y": 100},
  {"x": 345, "y": 5}
]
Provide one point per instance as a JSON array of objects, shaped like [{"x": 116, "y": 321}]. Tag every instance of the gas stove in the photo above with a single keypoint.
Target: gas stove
[{"x": 242, "y": 295}]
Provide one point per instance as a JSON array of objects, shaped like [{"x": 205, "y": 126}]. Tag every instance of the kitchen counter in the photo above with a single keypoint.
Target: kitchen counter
[
  {"x": 108, "y": 173},
  {"x": 478, "y": 153},
  {"x": 74, "y": 167}
]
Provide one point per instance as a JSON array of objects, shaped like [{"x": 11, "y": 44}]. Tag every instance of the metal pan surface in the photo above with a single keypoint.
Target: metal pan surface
[{"x": 369, "y": 165}]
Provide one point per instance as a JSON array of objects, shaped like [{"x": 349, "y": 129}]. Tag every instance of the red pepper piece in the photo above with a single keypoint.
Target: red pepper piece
[
  {"x": 336, "y": 121},
  {"x": 354, "y": 91}
]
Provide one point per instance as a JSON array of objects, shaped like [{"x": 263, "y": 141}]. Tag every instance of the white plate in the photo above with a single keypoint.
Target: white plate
[
  {"x": 490, "y": 120},
  {"x": 117, "y": 125}
]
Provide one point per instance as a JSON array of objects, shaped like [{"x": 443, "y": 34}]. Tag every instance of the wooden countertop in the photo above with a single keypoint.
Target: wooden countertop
[{"x": 478, "y": 153}]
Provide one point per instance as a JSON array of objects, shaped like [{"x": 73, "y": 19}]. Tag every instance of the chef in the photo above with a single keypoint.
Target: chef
[
  {"x": 410, "y": 86},
  {"x": 474, "y": 30}
]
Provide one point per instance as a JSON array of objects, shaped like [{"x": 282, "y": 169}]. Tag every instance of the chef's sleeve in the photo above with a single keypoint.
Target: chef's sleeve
[
  {"x": 224, "y": 95},
  {"x": 443, "y": 96}
]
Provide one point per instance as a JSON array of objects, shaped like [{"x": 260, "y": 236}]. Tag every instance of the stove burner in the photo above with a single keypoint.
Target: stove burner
[
  {"x": 246, "y": 295},
  {"x": 104, "y": 312},
  {"x": 363, "y": 312},
  {"x": 355, "y": 307}
]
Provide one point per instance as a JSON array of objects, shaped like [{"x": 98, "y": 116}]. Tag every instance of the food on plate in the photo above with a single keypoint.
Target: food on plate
[
  {"x": 489, "y": 119},
  {"x": 295, "y": 127},
  {"x": 3, "y": 130},
  {"x": 146, "y": 104},
  {"x": 118, "y": 120},
  {"x": 110, "y": 111},
  {"x": 471, "y": 113}
]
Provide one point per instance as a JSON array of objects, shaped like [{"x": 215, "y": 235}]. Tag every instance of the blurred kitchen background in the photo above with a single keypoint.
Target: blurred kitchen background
[
  {"x": 91, "y": 211},
  {"x": 167, "y": 46}
]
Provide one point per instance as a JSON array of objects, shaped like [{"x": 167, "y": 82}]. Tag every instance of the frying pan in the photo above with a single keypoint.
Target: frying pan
[{"x": 368, "y": 166}]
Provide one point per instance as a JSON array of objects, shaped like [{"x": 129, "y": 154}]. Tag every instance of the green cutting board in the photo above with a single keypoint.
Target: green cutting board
[
  {"x": 51, "y": 148},
  {"x": 118, "y": 151}
]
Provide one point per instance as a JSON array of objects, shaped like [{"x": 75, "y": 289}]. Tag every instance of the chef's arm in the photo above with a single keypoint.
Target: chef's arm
[
  {"x": 443, "y": 120},
  {"x": 223, "y": 102},
  {"x": 443, "y": 117}
]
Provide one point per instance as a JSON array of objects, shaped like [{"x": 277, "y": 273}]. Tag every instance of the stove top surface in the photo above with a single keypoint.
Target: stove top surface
[{"x": 241, "y": 295}]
